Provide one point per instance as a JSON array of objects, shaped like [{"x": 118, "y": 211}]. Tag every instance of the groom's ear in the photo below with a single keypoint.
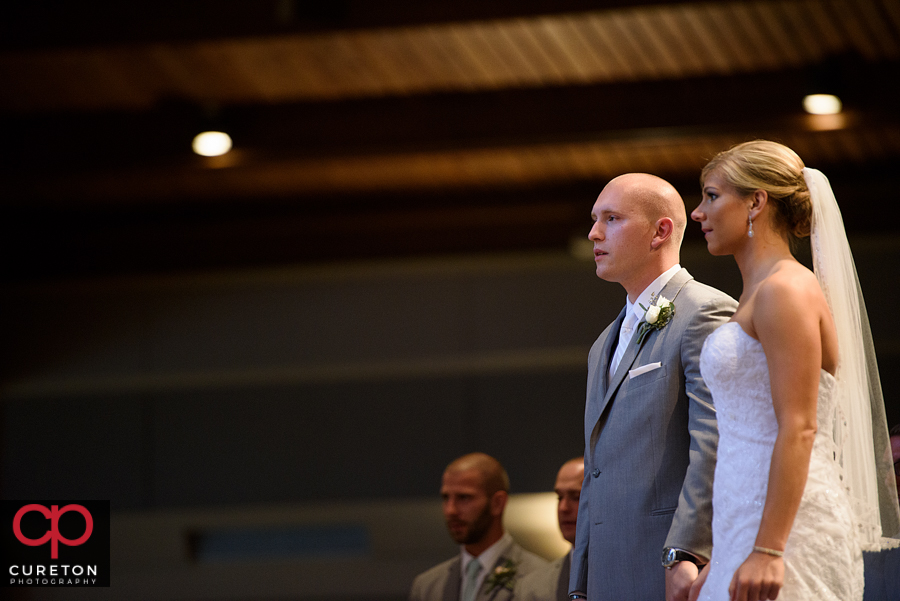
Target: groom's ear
[{"x": 664, "y": 228}]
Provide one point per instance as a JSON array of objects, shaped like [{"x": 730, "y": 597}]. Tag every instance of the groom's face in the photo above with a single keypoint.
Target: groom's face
[
  {"x": 621, "y": 234},
  {"x": 466, "y": 506}
]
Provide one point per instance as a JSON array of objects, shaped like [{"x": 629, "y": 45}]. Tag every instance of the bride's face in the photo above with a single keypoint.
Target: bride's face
[{"x": 723, "y": 216}]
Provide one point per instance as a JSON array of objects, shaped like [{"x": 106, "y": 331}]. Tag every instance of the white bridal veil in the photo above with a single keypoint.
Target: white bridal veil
[{"x": 861, "y": 428}]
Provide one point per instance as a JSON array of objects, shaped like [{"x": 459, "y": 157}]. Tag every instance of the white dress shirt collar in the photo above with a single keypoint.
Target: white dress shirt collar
[{"x": 655, "y": 287}]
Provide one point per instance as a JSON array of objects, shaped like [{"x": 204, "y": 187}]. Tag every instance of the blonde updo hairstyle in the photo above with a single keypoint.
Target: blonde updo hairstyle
[{"x": 774, "y": 168}]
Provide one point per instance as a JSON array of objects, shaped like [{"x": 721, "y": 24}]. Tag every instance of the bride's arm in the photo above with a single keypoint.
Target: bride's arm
[{"x": 786, "y": 317}]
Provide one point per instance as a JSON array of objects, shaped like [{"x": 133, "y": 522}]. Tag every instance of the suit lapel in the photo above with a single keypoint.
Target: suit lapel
[
  {"x": 609, "y": 347},
  {"x": 674, "y": 286},
  {"x": 451, "y": 588},
  {"x": 600, "y": 382},
  {"x": 496, "y": 593},
  {"x": 670, "y": 291},
  {"x": 631, "y": 353}
]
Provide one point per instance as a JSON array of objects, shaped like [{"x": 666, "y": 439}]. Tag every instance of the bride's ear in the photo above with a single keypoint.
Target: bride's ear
[{"x": 758, "y": 201}]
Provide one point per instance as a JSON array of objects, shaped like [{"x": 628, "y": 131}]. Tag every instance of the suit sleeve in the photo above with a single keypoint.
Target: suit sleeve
[{"x": 692, "y": 523}]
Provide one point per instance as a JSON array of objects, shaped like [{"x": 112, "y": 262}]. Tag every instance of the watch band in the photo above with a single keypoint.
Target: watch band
[{"x": 672, "y": 555}]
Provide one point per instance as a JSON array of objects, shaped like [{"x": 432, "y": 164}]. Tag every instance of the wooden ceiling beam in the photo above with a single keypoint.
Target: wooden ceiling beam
[
  {"x": 41, "y": 24},
  {"x": 83, "y": 241},
  {"x": 112, "y": 141}
]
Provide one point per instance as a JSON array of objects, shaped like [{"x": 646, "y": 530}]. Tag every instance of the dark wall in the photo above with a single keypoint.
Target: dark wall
[{"x": 341, "y": 382}]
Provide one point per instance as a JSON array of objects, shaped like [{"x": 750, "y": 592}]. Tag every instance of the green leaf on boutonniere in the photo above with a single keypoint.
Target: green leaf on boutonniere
[{"x": 656, "y": 316}]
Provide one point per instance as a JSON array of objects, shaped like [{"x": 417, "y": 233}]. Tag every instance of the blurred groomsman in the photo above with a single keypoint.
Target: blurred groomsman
[
  {"x": 474, "y": 491},
  {"x": 552, "y": 583}
]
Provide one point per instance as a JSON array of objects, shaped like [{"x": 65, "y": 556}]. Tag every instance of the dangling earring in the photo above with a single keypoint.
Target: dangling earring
[{"x": 750, "y": 231}]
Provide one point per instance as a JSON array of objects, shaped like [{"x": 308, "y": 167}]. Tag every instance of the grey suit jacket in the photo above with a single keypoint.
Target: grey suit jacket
[
  {"x": 442, "y": 582},
  {"x": 548, "y": 584},
  {"x": 650, "y": 449}
]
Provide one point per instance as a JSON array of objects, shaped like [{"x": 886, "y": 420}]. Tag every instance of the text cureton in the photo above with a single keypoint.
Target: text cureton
[{"x": 52, "y": 570}]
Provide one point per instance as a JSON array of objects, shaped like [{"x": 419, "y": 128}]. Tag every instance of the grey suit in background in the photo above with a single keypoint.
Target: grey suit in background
[
  {"x": 548, "y": 584},
  {"x": 650, "y": 448},
  {"x": 442, "y": 582}
]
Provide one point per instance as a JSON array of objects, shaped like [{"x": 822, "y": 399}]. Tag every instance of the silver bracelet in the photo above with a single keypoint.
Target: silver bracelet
[{"x": 767, "y": 551}]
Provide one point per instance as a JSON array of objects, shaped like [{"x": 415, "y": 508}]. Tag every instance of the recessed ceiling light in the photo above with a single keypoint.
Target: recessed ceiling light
[
  {"x": 822, "y": 104},
  {"x": 211, "y": 143}
]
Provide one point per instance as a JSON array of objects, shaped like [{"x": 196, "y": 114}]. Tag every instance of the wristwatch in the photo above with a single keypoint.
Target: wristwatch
[{"x": 671, "y": 556}]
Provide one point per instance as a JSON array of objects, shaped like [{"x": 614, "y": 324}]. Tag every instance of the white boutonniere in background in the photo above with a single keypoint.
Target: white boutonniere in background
[
  {"x": 656, "y": 316},
  {"x": 503, "y": 576}
]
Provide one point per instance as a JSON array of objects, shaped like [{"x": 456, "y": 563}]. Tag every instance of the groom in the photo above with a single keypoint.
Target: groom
[{"x": 649, "y": 424}]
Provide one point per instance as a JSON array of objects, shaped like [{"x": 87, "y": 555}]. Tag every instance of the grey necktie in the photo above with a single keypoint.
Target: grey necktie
[
  {"x": 625, "y": 334},
  {"x": 472, "y": 570}
]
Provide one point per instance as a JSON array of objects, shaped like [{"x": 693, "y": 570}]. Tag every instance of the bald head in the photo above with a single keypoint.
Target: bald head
[
  {"x": 639, "y": 221},
  {"x": 656, "y": 198},
  {"x": 572, "y": 469},
  {"x": 492, "y": 473}
]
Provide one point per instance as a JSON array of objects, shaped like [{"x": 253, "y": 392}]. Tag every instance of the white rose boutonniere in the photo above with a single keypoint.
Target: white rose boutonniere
[{"x": 656, "y": 316}]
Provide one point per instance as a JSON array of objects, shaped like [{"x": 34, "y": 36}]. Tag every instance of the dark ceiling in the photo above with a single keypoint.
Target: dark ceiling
[{"x": 386, "y": 129}]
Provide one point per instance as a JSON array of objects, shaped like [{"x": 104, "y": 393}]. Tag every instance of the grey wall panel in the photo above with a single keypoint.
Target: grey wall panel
[
  {"x": 532, "y": 423},
  {"x": 342, "y": 441}
]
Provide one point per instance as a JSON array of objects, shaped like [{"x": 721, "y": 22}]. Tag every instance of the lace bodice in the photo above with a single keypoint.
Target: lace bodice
[
  {"x": 822, "y": 558},
  {"x": 734, "y": 367}
]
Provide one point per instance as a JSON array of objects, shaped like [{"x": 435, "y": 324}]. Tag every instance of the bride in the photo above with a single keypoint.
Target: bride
[{"x": 802, "y": 480}]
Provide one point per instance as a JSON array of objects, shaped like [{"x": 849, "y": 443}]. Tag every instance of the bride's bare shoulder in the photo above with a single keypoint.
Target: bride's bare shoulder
[{"x": 790, "y": 284}]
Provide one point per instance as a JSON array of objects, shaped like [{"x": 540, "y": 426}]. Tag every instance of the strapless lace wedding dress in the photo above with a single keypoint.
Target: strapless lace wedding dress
[{"x": 822, "y": 560}]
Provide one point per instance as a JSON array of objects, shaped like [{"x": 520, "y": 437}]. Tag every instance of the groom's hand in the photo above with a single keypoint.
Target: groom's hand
[
  {"x": 679, "y": 580},
  {"x": 698, "y": 584}
]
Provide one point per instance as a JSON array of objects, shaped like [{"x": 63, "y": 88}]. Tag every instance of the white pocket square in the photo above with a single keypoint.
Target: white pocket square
[{"x": 633, "y": 373}]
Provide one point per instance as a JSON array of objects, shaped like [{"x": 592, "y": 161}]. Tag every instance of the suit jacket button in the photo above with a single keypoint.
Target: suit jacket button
[{"x": 595, "y": 473}]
